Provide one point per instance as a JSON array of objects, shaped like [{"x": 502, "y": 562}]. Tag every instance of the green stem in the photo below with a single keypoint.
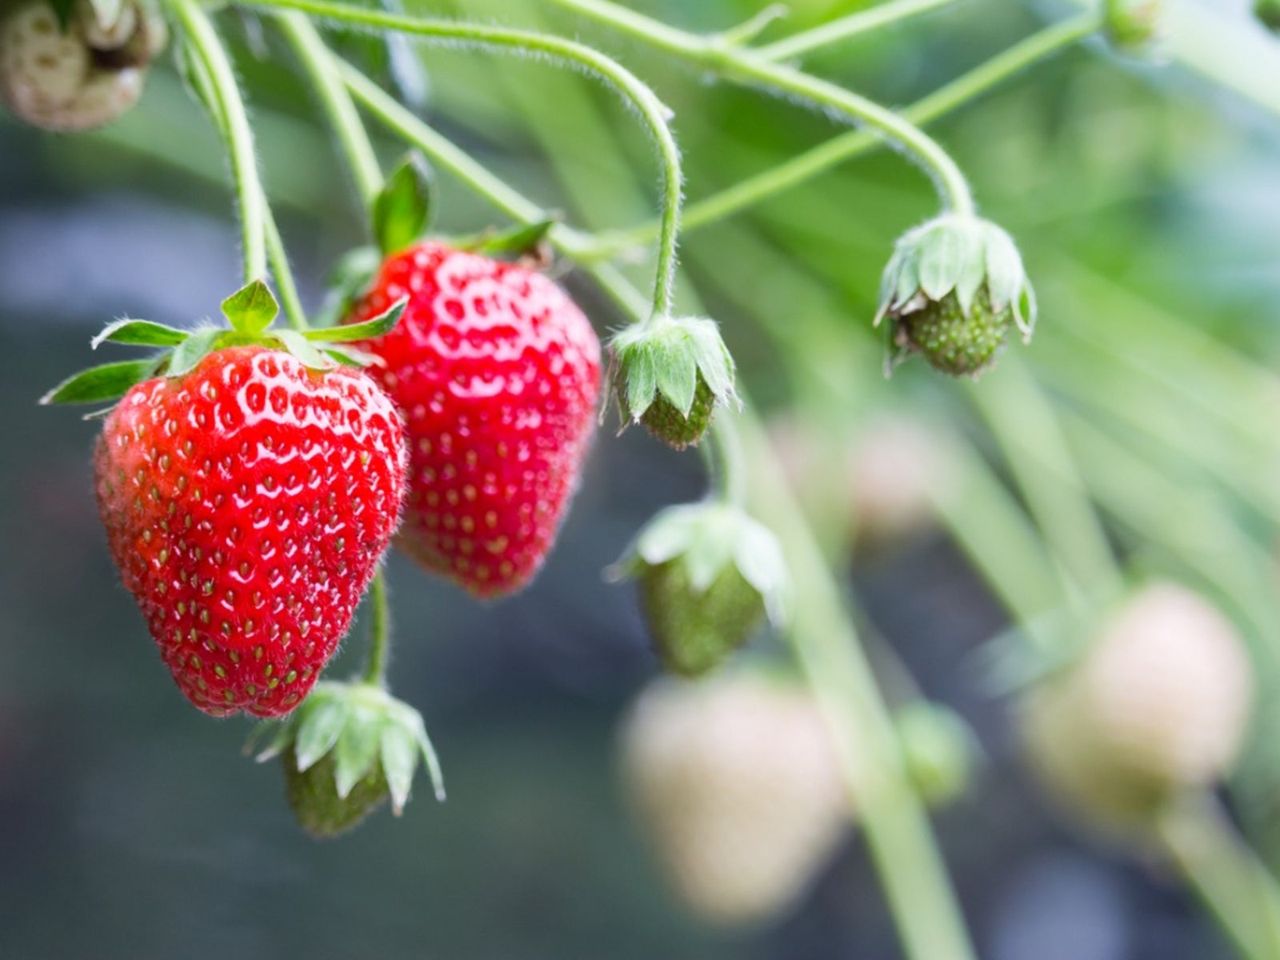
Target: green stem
[
  {"x": 747, "y": 66},
  {"x": 824, "y": 157},
  {"x": 1025, "y": 426},
  {"x": 825, "y": 640},
  {"x": 843, "y": 28},
  {"x": 635, "y": 91},
  {"x": 319, "y": 63},
  {"x": 728, "y": 471},
  {"x": 1227, "y": 877},
  {"x": 375, "y": 671},
  {"x": 280, "y": 270},
  {"x": 205, "y": 45}
]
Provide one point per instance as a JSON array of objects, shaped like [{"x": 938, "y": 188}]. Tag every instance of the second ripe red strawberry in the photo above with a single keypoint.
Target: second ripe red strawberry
[{"x": 497, "y": 374}]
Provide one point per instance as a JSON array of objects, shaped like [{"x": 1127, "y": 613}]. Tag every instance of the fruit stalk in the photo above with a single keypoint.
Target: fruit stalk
[
  {"x": 375, "y": 671},
  {"x": 205, "y": 45},
  {"x": 909, "y": 863},
  {"x": 652, "y": 111},
  {"x": 843, "y": 28},
  {"x": 747, "y": 66}
]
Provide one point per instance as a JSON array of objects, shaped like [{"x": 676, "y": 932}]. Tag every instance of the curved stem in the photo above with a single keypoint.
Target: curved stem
[
  {"x": 842, "y": 28},
  {"x": 283, "y": 275},
  {"x": 728, "y": 471},
  {"x": 826, "y": 156},
  {"x": 747, "y": 66},
  {"x": 222, "y": 88},
  {"x": 651, "y": 109},
  {"x": 375, "y": 670},
  {"x": 319, "y": 63}
]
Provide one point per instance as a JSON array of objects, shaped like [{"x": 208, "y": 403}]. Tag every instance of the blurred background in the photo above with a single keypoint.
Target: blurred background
[{"x": 1145, "y": 198}]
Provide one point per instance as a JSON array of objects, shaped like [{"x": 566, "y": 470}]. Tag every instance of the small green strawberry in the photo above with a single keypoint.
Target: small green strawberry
[
  {"x": 345, "y": 750},
  {"x": 1132, "y": 25},
  {"x": 939, "y": 751},
  {"x": 670, "y": 374},
  {"x": 708, "y": 576},
  {"x": 953, "y": 292}
]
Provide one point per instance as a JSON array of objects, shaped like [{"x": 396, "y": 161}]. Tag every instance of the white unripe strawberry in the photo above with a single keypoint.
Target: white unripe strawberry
[
  {"x": 737, "y": 781},
  {"x": 1158, "y": 703},
  {"x": 76, "y": 78}
]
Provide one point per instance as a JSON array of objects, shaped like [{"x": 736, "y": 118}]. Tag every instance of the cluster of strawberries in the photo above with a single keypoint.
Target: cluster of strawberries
[{"x": 248, "y": 497}]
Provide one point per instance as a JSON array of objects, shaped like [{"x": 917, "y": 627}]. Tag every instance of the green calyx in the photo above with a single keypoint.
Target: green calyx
[
  {"x": 670, "y": 374},
  {"x": 953, "y": 290},
  {"x": 346, "y": 748},
  {"x": 250, "y": 313},
  {"x": 708, "y": 576},
  {"x": 1132, "y": 24}
]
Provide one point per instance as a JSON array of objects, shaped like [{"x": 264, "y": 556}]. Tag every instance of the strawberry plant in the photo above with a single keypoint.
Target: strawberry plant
[{"x": 252, "y": 474}]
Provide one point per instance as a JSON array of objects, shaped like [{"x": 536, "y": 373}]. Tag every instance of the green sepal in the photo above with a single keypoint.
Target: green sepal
[
  {"x": 107, "y": 12},
  {"x": 144, "y": 333},
  {"x": 251, "y": 309},
  {"x": 357, "y": 749},
  {"x": 402, "y": 208},
  {"x": 191, "y": 351},
  {"x": 666, "y": 357},
  {"x": 348, "y": 281},
  {"x": 370, "y": 329},
  {"x": 110, "y": 381},
  {"x": 518, "y": 240},
  {"x": 302, "y": 349}
]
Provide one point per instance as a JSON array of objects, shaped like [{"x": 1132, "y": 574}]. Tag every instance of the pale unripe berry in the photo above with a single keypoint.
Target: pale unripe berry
[
  {"x": 78, "y": 78},
  {"x": 1158, "y": 703},
  {"x": 737, "y": 781},
  {"x": 893, "y": 465}
]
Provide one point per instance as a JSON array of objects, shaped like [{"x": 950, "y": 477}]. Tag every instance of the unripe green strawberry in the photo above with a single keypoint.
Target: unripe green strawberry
[
  {"x": 707, "y": 574},
  {"x": 953, "y": 292},
  {"x": 1132, "y": 24},
  {"x": 737, "y": 781},
  {"x": 938, "y": 750},
  {"x": 314, "y": 800},
  {"x": 345, "y": 750},
  {"x": 76, "y": 78},
  {"x": 670, "y": 374},
  {"x": 1157, "y": 703}
]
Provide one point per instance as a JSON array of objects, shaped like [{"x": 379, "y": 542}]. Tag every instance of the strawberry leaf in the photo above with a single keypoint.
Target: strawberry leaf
[
  {"x": 351, "y": 357},
  {"x": 383, "y": 323},
  {"x": 301, "y": 348},
  {"x": 347, "y": 284},
  {"x": 191, "y": 351},
  {"x": 517, "y": 240},
  {"x": 110, "y": 381},
  {"x": 141, "y": 332},
  {"x": 251, "y": 308},
  {"x": 402, "y": 208}
]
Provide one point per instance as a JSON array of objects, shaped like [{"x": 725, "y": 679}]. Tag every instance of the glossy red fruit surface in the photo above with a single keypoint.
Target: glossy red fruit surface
[
  {"x": 247, "y": 504},
  {"x": 497, "y": 374}
]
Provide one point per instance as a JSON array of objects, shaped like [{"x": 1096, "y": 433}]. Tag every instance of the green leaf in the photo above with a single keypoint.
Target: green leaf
[
  {"x": 668, "y": 534},
  {"x": 399, "y": 755},
  {"x": 351, "y": 357},
  {"x": 940, "y": 259},
  {"x": 298, "y": 345},
  {"x": 383, "y": 323},
  {"x": 251, "y": 308},
  {"x": 140, "y": 332},
  {"x": 432, "y": 760},
  {"x": 318, "y": 731},
  {"x": 713, "y": 359},
  {"x": 357, "y": 749},
  {"x": 191, "y": 351},
  {"x": 518, "y": 240},
  {"x": 281, "y": 737},
  {"x": 107, "y": 12},
  {"x": 110, "y": 381},
  {"x": 759, "y": 559},
  {"x": 402, "y": 209}
]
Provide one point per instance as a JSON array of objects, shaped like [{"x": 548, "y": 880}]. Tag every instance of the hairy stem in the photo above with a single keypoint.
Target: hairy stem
[
  {"x": 826, "y": 156},
  {"x": 375, "y": 670},
  {"x": 205, "y": 45},
  {"x": 843, "y": 28},
  {"x": 823, "y": 636},
  {"x": 280, "y": 270},
  {"x": 318, "y": 61},
  {"x": 636, "y": 92},
  {"x": 746, "y": 66}
]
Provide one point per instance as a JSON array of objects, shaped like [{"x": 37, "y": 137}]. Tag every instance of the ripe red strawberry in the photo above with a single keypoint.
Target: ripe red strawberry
[
  {"x": 246, "y": 504},
  {"x": 497, "y": 374}
]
